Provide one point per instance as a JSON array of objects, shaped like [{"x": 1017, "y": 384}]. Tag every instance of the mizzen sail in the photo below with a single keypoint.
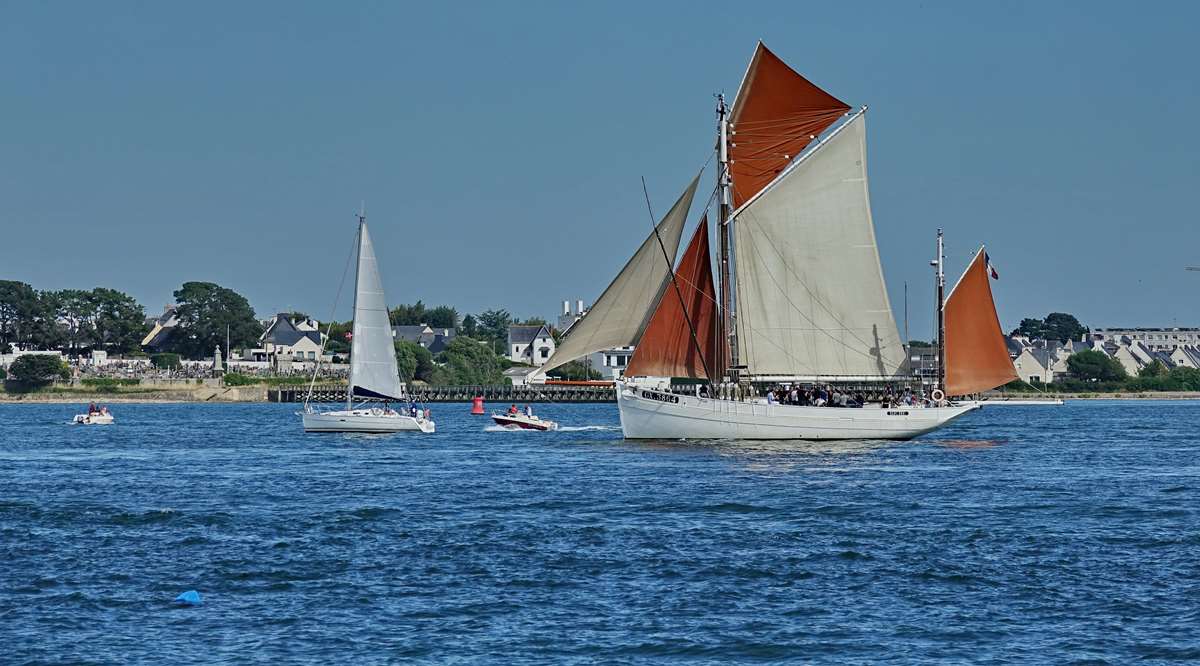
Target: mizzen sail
[
  {"x": 976, "y": 354},
  {"x": 666, "y": 349},
  {"x": 373, "y": 371},
  {"x": 621, "y": 313},
  {"x": 811, "y": 299},
  {"x": 776, "y": 114}
]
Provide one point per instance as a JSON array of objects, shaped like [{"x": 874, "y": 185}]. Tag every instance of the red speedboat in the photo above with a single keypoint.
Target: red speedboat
[{"x": 524, "y": 422}]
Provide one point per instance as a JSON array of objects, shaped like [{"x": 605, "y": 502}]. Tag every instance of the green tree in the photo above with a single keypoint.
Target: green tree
[
  {"x": 1062, "y": 327},
  {"x": 1034, "y": 329},
  {"x": 205, "y": 310},
  {"x": 116, "y": 320},
  {"x": 1155, "y": 369},
  {"x": 407, "y": 315},
  {"x": 1056, "y": 326},
  {"x": 1095, "y": 366},
  {"x": 37, "y": 369},
  {"x": 443, "y": 316},
  {"x": 25, "y": 318},
  {"x": 531, "y": 321},
  {"x": 493, "y": 326},
  {"x": 73, "y": 309},
  {"x": 465, "y": 361},
  {"x": 414, "y": 361},
  {"x": 470, "y": 327}
]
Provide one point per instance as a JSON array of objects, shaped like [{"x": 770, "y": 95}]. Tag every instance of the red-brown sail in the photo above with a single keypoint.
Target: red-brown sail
[
  {"x": 776, "y": 114},
  {"x": 976, "y": 354},
  {"x": 666, "y": 348}
]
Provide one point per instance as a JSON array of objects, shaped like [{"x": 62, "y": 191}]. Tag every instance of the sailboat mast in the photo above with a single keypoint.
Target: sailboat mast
[
  {"x": 362, "y": 220},
  {"x": 731, "y": 352},
  {"x": 941, "y": 312}
]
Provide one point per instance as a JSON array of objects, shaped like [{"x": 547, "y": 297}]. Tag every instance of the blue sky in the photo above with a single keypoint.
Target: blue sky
[{"x": 500, "y": 146}]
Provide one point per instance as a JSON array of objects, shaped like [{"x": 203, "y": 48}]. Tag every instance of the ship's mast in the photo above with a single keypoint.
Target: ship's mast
[
  {"x": 939, "y": 263},
  {"x": 723, "y": 208},
  {"x": 362, "y": 220}
]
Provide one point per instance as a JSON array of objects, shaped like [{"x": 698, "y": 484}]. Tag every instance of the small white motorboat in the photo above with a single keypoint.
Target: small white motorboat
[
  {"x": 95, "y": 418},
  {"x": 524, "y": 421}
]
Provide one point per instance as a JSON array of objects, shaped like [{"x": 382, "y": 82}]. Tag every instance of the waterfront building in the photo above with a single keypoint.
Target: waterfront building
[
  {"x": 161, "y": 329},
  {"x": 435, "y": 340},
  {"x": 1155, "y": 339},
  {"x": 530, "y": 344}
]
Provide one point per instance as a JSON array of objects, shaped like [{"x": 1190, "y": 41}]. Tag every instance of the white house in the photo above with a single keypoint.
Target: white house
[
  {"x": 286, "y": 341},
  {"x": 530, "y": 344}
]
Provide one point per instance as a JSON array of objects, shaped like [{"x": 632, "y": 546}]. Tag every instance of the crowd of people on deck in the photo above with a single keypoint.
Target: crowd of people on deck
[{"x": 831, "y": 396}]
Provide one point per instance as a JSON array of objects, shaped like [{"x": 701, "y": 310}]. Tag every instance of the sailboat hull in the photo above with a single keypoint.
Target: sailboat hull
[
  {"x": 653, "y": 414},
  {"x": 364, "y": 420}
]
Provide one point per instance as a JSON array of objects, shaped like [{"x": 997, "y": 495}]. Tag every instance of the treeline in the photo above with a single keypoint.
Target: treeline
[{"x": 70, "y": 320}]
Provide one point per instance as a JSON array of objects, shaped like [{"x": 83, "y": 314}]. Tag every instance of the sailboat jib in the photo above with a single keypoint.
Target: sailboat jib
[
  {"x": 977, "y": 356},
  {"x": 667, "y": 349},
  {"x": 777, "y": 112},
  {"x": 622, "y": 312},
  {"x": 811, "y": 298},
  {"x": 373, "y": 372}
]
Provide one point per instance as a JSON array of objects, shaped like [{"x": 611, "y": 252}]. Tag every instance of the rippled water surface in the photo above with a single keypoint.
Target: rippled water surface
[{"x": 1018, "y": 535}]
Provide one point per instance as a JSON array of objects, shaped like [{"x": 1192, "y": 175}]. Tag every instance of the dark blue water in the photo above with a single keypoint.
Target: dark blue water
[{"x": 1018, "y": 535}]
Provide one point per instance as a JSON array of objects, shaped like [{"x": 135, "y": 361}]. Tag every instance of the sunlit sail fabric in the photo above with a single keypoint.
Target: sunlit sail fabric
[
  {"x": 776, "y": 114},
  {"x": 372, "y": 352},
  {"x": 666, "y": 349},
  {"x": 620, "y": 314},
  {"x": 811, "y": 299},
  {"x": 976, "y": 353}
]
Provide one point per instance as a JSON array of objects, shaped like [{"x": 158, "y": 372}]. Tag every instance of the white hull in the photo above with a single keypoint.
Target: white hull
[
  {"x": 93, "y": 419},
  {"x": 364, "y": 420},
  {"x": 524, "y": 422},
  {"x": 653, "y": 414}
]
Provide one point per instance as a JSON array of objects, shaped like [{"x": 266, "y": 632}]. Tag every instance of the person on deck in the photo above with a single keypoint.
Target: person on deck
[
  {"x": 529, "y": 411},
  {"x": 512, "y": 410}
]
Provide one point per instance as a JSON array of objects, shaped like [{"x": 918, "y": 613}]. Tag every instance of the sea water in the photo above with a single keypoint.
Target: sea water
[{"x": 1016, "y": 535}]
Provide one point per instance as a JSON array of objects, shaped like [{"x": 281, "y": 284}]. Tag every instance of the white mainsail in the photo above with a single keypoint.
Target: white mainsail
[
  {"x": 621, "y": 313},
  {"x": 811, "y": 299},
  {"x": 373, "y": 371}
]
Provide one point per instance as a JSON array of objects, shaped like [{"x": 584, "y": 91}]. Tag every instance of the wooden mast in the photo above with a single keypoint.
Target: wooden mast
[{"x": 730, "y": 353}]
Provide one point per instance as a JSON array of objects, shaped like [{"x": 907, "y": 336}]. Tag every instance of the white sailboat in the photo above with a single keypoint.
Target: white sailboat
[
  {"x": 373, "y": 373},
  {"x": 803, "y": 302}
]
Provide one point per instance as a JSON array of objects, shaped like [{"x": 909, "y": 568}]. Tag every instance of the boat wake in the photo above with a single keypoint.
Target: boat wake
[{"x": 561, "y": 428}]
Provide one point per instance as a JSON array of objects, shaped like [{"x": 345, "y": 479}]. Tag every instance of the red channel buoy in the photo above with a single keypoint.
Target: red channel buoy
[{"x": 477, "y": 406}]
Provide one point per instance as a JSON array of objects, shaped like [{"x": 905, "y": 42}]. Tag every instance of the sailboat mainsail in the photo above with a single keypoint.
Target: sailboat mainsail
[
  {"x": 373, "y": 372},
  {"x": 977, "y": 356},
  {"x": 811, "y": 299},
  {"x": 667, "y": 349},
  {"x": 776, "y": 114},
  {"x": 621, "y": 313}
]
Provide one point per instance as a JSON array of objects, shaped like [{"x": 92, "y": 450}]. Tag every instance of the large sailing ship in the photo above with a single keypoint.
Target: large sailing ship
[{"x": 800, "y": 300}]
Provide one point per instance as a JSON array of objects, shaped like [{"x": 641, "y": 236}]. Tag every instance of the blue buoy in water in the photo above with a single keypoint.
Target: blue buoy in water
[{"x": 189, "y": 598}]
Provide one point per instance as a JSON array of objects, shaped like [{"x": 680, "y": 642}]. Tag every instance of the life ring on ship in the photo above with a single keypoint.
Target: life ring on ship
[{"x": 938, "y": 395}]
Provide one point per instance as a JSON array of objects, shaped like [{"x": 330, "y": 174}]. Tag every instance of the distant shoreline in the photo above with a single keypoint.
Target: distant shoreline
[{"x": 250, "y": 397}]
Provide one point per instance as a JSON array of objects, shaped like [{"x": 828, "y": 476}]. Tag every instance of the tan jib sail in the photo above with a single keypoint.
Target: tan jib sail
[
  {"x": 976, "y": 354},
  {"x": 776, "y": 114},
  {"x": 667, "y": 349},
  {"x": 621, "y": 313},
  {"x": 811, "y": 300}
]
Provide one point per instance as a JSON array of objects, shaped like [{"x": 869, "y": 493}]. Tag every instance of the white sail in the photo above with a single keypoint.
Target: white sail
[
  {"x": 373, "y": 371},
  {"x": 621, "y": 313},
  {"x": 811, "y": 300}
]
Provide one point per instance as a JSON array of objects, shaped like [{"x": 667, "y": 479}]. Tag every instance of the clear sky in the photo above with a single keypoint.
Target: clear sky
[{"x": 499, "y": 146}]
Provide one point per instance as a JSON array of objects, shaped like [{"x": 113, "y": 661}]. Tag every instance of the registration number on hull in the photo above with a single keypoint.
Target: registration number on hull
[{"x": 661, "y": 397}]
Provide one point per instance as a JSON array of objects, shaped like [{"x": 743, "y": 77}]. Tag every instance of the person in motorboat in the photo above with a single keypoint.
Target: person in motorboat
[
  {"x": 512, "y": 410},
  {"x": 91, "y": 408},
  {"x": 529, "y": 411}
]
